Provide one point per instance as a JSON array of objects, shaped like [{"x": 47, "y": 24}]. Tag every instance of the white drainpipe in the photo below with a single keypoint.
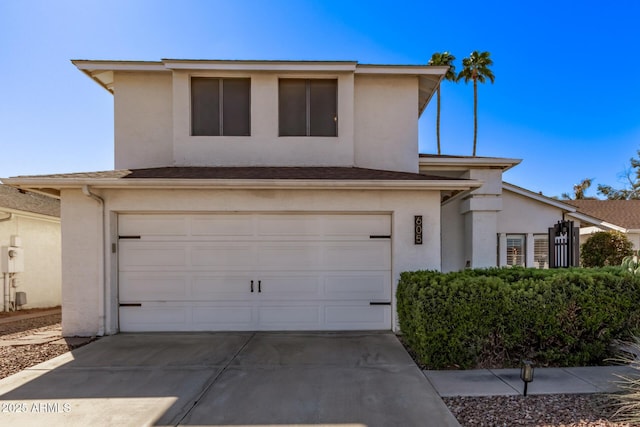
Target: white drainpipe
[
  {"x": 6, "y": 296},
  {"x": 101, "y": 263}
]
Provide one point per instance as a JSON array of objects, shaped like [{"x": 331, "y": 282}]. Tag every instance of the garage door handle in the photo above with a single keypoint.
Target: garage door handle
[
  {"x": 252, "y": 286},
  {"x": 259, "y": 285}
]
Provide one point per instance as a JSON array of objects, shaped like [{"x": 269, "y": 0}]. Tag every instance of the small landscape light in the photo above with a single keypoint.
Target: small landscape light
[{"x": 526, "y": 374}]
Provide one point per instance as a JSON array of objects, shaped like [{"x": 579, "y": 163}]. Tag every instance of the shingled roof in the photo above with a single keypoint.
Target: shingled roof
[
  {"x": 625, "y": 213},
  {"x": 14, "y": 199},
  {"x": 251, "y": 172}
]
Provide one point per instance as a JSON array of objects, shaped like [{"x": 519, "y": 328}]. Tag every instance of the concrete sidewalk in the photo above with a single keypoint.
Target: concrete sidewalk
[{"x": 506, "y": 382}]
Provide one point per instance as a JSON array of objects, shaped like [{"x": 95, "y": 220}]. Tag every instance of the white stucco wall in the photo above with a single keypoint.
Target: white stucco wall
[
  {"x": 526, "y": 216},
  {"x": 452, "y": 236},
  {"x": 264, "y": 147},
  {"x": 82, "y": 282},
  {"x": 143, "y": 120},
  {"x": 386, "y": 122},
  {"x": 523, "y": 215},
  {"x": 81, "y": 264},
  {"x": 41, "y": 279},
  {"x": 377, "y": 123}
]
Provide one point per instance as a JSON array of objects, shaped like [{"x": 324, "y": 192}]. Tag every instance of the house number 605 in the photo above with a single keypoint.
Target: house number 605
[{"x": 417, "y": 226}]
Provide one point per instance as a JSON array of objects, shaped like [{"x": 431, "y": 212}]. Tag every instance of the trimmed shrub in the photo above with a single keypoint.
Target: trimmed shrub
[
  {"x": 497, "y": 317},
  {"x": 605, "y": 248}
]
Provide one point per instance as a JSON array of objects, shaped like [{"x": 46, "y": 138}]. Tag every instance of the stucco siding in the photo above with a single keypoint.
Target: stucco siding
[
  {"x": 386, "y": 122},
  {"x": 453, "y": 232},
  {"x": 81, "y": 264},
  {"x": 40, "y": 241},
  {"x": 143, "y": 120},
  {"x": 523, "y": 215}
]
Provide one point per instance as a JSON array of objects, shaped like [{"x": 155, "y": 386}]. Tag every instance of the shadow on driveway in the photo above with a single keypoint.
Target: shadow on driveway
[{"x": 227, "y": 379}]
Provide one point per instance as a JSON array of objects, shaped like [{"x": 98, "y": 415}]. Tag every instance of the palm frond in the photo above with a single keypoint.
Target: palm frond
[{"x": 444, "y": 59}]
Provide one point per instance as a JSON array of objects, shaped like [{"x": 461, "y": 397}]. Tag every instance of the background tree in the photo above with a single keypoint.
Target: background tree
[
  {"x": 579, "y": 190},
  {"x": 442, "y": 59},
  {"x": 605, "y": 248},
  {"x": 476, "y": 68},
  {"x": 632, "y": 190}
]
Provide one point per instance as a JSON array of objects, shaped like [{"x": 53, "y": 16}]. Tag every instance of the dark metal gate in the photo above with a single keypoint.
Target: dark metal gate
[{"x": 564, "y": 245}]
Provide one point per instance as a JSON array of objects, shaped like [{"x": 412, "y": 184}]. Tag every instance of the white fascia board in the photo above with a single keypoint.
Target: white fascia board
[
  {"x": 59, "y": 184},
  {"x": 88, "y": 65},
  {"x": 32, "y": 215},
  {"x": 260, "y": 66},
  {"x": 597, "y": 222},
  {"x": 414, "y": 70},
  {"x": 463, "y": 163},
  {"x": 538, "y": 197}
]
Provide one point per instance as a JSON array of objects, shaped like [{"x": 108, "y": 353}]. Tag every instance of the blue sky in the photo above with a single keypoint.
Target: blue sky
[{"x": 566, "y": 99}]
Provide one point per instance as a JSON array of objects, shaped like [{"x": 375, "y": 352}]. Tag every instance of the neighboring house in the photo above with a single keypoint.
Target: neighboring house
[
  {"x": 254, "y": 195},
  {"x": 619, "y": 215},
  {"x": 31, "y": 223}
]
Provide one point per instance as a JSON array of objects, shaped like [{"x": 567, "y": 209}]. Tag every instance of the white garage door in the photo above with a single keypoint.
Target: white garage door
[{"x": 206, "y": 272}]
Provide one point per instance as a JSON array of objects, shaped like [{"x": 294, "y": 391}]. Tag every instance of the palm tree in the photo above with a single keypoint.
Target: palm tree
[
  {"x": 443, "y": 59},
  {"x": 476, "y": 68},
  {"x": 579, "y": 191}
]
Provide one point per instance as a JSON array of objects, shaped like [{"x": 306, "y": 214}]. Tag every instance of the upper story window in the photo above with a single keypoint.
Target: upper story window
[
  {"x": 220, "y": 107},
  {"x": 308, "y": 107}
]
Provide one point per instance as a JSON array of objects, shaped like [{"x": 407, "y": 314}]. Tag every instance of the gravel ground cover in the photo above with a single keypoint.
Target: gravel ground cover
[
  {"x": 14, "y": 359},
  {"x": 555, "y": 410}
]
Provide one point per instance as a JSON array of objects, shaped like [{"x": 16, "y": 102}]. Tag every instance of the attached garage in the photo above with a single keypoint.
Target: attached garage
[
  {"x": 242, "y": 248},
  {"x": 254, "y": 271}
]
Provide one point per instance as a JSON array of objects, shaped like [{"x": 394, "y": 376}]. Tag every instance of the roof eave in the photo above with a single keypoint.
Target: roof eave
[
  {"x": 49, "y": 186},
  {"x": 596, "y": 222},
  {"x": 463, "y": 163},
  {"x": 30, "y": 214},
  {"x": 538, "y": 197}
]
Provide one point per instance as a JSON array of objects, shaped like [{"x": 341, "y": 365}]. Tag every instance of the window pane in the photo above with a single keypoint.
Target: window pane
[
  {"x": 293, "y": 107},
  {"x": 323, "y": 107},
  {"x": 515, "y": 249},
  {"x": 205, "y": 106},
  {"x": 541, "y": 250},
  {"x": 236, "y": 107}
]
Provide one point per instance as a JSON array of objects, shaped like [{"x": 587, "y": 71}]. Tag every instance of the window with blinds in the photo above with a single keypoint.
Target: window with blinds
[
  {"x": 516, "y": 249},
  {"x": 541, "y": 250}
]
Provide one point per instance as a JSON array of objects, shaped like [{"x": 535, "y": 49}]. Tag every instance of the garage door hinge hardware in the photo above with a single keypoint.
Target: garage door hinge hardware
[
  {"x": 252, "y": 286},
  {"x": 129, "y": 237},
  {"x": 130, "y": 304},
  {"x": 380, "y": 236},
  {"x": 380, "y": 303}
]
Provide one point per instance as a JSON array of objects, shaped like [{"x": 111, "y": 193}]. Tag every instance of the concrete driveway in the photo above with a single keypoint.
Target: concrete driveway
[{"x": 227, "y": 379}]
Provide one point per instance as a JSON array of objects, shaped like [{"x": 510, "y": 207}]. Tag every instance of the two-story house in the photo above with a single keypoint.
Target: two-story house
[{"x": 262, "y": 195}]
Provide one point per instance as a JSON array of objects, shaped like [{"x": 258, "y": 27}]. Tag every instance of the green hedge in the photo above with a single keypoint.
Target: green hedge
[{"x": 497, "y": 317}]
